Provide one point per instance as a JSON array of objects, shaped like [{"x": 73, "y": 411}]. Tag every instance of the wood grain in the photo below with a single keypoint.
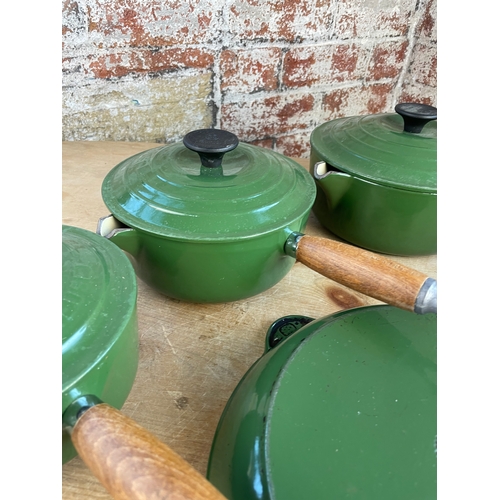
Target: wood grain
[
  {"x": 133, "y": 464},
  {"x": 366, "y": 272},
  {"x": 191, "y": 356}
]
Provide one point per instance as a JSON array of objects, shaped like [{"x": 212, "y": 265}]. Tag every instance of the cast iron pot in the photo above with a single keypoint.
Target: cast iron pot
[
  {"x": 99, "y": 364},
  {"x": 377, "y": 179},
  {"x": 340, "y": 407},
  {"x": 222, "y": 232}
]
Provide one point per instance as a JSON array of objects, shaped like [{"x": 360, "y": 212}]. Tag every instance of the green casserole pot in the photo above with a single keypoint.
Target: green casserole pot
[
  {"x": 341, "y": 407},
  {"x": 215, "y": 220},
  {"x": 201, "y": 229},
  {"x": 377, "y": 179}
]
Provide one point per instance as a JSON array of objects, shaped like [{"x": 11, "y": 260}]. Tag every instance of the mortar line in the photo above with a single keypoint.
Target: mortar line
[
  {"x": 411, "y": 45},
  {"x": 86, "y": 49}
]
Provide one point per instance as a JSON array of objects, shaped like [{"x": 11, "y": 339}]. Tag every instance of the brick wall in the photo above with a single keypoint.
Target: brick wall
[{"x": 269, "y": 71}]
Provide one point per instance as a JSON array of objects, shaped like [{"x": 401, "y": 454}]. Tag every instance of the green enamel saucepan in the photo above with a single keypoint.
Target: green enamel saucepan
[
  {"x": 100, "y": 355},
  {"x": 377, "y": 179},
  {"x": 340, "y": 407},
  {"x": 230, "y": 228}
]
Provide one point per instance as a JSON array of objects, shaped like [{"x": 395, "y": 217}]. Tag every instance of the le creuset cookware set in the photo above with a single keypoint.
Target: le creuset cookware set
[{"x": 215, "y": 220}]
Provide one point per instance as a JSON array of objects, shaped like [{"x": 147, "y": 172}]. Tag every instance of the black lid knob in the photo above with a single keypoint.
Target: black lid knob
[
  {"x": 211, "y": 144},
  {"x": 415, "y": 115}
]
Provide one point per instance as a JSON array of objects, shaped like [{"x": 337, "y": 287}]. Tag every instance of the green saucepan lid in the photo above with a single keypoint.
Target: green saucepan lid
[
  {"x": 100, "y": 341},
  {"x": 353, "y": 412},
  {"x": 392, "y": 149},
  {"x": 208, "y": 187},
  {"x": 99, "y": 293}
]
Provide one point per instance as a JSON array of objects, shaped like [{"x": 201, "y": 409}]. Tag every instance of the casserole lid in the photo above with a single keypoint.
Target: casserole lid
[
  {"x": 99, "y": 293},
  {"x": 392, "y": 149},
  {"x": 209, "y": 187}
]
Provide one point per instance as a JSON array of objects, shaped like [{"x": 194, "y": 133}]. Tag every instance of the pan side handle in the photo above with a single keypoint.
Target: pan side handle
[
  {"x": 367, "y": 272},
  {"x": 131, "y": 463}
]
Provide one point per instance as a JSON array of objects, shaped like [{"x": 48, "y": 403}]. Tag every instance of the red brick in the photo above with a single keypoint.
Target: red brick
[
  {"x": 346, "y": 26},
  {"x": 293, "y": 20},
  {"x": 336, "y": 102},
  {"x": 420, "y": 94},
  {"x": 149, "y": 61},
  {"x": 263, "y": 143},
  {"x": 250, "y": 70},
  {"x": 366, "y": 99},
  {"x": 363, "y": 19},
  {"x": 427, "y": 26},
  {"x": 344, "y": 62},
  {"x": 378, "y": 98},
  {"x": 298, "y": 68},
  {"x": 392, "y": 24},
  {"x": 387, "y": 60},
  {"x": 73, "y": 19},
  {"x": 156, "y": 23},
  {"x": 423, "y": 65},
  {"x": 294, "y": 145},
  {"x": 322, "y": 64},
  {"x": 268, "y": 117}
]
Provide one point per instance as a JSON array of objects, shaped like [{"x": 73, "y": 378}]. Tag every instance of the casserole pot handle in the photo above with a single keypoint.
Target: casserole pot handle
[
  {"x": 129, "y": 461},
  {"x": 283, "y": 327},
  {"x": 123, "y": 236},
  {"x": 332, "y": 181},
  {"x": 366, "y": 272}
]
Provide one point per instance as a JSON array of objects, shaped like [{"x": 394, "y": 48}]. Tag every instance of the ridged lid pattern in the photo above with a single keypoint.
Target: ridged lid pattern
[
  {"x": 165, "y": 191},
  {"x": 377, "y": 149},
  {"x": 99, "y": 294}
]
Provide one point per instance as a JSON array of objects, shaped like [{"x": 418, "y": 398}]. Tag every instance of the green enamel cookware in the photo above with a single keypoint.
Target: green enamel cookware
[
  {"x": 340, "y": 407},
  {"x": 100, "y": 353},
  {"x": 377, "y": 179},
  {"x": 214, "y": 220},
  {"x": 100, "y": 343}
]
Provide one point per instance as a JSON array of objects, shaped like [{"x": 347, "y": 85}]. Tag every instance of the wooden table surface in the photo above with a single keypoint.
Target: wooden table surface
[{"x": 191, "y": 355}]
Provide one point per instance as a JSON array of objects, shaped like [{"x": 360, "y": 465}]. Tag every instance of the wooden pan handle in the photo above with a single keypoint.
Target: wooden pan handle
[
  {"x": 366, "y": 272},
  {"x": 133, "y": 464}
]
